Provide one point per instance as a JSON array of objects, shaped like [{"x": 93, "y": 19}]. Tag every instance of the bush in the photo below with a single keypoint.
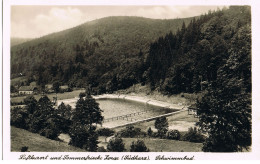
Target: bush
[
  {"x": 149, "y": 132},
  {"x": 101, "y": 149},
  {"x": 173, "y": 134},
  {"x": 139, "y": 146},
  {"x": 116, "y": 145},
  {"x": 24, "y": 149},
  {"x": 105, "y": 132},
  {"x": 193, "y": 135},
  {"x": 131, "y": 131},
  {"x": 19, "y": 117},
  {"x": 82, "y": 94}
]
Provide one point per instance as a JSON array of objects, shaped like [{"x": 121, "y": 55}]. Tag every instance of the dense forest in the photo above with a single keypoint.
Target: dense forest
[
  {"x": 116, "y": 52},
  {"x": 190, "y": 60},
  {"x": 93, "y": 53}
]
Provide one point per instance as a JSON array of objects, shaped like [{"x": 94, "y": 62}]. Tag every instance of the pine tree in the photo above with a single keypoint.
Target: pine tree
[
  {"x": 161, "y": 124},
  {"x": 82, "y": 131}
]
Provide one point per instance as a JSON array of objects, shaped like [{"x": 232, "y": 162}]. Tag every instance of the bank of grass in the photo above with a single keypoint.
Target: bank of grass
[
  {"x": 60, "y": 96},
  {"x": 145, "y": 91},
  {"x": 37, "y": 143},
  {"x": 165, "y": 145}
]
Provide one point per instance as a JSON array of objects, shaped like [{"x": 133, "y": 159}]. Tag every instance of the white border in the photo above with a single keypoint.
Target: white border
[{"x": 255, "y": 154}]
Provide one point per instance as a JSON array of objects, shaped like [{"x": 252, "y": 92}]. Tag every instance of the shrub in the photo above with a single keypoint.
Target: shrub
[
  {"x": 101, "y": 149},
  {"x": 173, "y": 134},
  {"x": 82, "y": 94},
  {"x": 139, "y": 146},
  {"x": 193, "y": 135},
  {"x": 105, "y": 132},
  {"x": 24, "y": 149},
  {"x": 116, "y": 145},
  {"x": 131, "y": 131}
]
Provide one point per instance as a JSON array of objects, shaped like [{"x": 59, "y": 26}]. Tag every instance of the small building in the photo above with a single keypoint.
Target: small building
[
  {"x": 27, "y": 90},
  {"x": 192, "y": 110},
  {"x": 48, "y": 88},
  {"x": 65, "y": 88}
]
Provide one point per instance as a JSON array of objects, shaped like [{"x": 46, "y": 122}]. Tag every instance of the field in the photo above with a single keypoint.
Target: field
[
  {"x": 60, "y": 96},
  {"x": 37, "y": 143}
]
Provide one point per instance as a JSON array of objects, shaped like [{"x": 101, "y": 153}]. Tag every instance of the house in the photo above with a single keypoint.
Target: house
[
  {"x": 27, "y": 90},
  {"x": 48, "y": 88},
  {"x": 192, "y": 110}
]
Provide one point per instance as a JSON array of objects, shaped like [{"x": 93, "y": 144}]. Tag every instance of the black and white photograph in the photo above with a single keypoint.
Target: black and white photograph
[{"x": 166, "y": 80}]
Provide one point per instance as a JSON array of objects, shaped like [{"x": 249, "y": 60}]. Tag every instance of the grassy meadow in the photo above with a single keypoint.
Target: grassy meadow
[
  {"x": 37, "y": 143},
  {"x": 61, "y": 96}
]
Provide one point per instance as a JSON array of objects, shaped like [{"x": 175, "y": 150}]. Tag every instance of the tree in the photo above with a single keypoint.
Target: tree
[
  {"x": 64, "y": 111},
  {"x": 13, "y": 89},
  {"x": 84, "y": 136},
  {"x": 161, "y": 124},
  {"x": 193, "y": 135},
  {"x": 56, "y": 86},
  {"x": 19, "y": 117},
  {"x": 31, "y": 104},
  {"x": 139, "y": 146},
  {"x": 116, "y": 145},
  {"x": 87, "y": 111},
  {"x": 173, "y": 134},
  {"x": 149, "y": 131},
  {"x": 43, "y": 112},
  {"x": 225, "y": 111},
  {"x": 82, "y": 131}
]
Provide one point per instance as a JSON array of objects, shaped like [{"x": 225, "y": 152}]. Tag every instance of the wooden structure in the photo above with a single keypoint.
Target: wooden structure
[{"x": 192, "y": 110}]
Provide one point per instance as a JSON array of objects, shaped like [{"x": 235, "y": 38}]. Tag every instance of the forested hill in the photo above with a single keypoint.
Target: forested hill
[
  {"x": 91, "y": 51},
  {"x": 172, "y": 56},
  {"x": 196, "y": 56}
]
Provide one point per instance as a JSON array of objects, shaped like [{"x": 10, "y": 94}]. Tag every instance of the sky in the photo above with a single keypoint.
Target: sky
[{"x": 37, "y": 21}]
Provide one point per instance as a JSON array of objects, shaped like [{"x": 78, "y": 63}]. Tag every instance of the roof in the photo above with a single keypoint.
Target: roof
[
  {"x": 27, "y": 88},
  {"x": 64, "y": 87},
  {"x": 48, "y": 86}
]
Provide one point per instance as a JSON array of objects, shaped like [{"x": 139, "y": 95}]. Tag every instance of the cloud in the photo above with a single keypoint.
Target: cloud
[
  {"x": 36, "y": 21},
  {"x": 57, "y": 19}
]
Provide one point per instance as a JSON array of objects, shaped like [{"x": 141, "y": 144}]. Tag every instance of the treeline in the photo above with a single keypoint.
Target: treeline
[{"x": 189, "y": 60}]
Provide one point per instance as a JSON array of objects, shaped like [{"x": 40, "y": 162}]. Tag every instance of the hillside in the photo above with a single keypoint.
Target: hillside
[
  {"x": 37, "y": 143},
  {"x": 108, "y": 54},
  {"x": 95, "y": 49}
]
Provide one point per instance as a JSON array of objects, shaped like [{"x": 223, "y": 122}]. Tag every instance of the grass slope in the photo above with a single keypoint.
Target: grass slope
[
  {"x": 37, "y": 143},
  {"x": 163, "y": 145},
  {"x": 61, "y": 96}
]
